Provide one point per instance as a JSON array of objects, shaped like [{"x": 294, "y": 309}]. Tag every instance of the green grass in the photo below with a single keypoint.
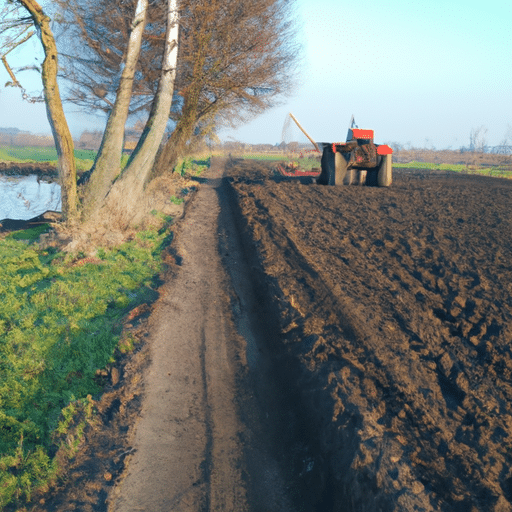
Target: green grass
[
  {"x": 192, "y": 166},
  {"x": 426, "y": 165},
  {"x": 59, "y": 323},
  {"x": 84, "y": 158},
  {"x": 496, "y": 171},
  {"x": 39, "y": 154},
  {"x": 31, "y": 233},
  {"x": 262, "y": 156}
]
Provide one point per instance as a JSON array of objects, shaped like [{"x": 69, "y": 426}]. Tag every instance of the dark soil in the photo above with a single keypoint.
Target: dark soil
[
  {"x": 9, "y": 225},
  {"x": 397, "y": 305},
  {"x": 42, "y": 169}
]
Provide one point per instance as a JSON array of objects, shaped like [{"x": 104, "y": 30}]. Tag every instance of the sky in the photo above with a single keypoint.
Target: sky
[{"x": 419, "y": 73}]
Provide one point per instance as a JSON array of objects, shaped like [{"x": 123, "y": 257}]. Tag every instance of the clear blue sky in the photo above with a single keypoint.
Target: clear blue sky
[{"x": 419, "y": 72}]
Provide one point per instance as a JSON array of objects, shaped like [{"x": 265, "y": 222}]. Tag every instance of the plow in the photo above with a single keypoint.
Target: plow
[{"x": 357, "y": 161}]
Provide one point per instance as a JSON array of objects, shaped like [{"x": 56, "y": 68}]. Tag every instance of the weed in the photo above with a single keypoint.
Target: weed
[
  {"x": 177, "y": 200},
  {"x": 127, "y": 343},
  {"x": 192, "y": 166}
]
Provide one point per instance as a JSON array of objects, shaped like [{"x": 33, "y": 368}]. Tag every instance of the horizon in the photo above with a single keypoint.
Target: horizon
[{"x": 302, "y": 142}]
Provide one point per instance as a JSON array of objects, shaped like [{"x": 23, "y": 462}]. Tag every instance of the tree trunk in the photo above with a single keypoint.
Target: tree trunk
[
  {"x": 108, "y": 161},
  {"x": 122, "y": 199},
  {"x": 175, "y": 145},
  {"x": 55, "y": 111}
]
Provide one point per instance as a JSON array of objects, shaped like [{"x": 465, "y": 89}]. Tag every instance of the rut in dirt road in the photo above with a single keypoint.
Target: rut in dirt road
[{"x": 199, "y": 444}]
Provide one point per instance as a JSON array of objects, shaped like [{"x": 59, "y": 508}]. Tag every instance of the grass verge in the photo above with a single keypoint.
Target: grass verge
[{"x": 61, "y": 319}]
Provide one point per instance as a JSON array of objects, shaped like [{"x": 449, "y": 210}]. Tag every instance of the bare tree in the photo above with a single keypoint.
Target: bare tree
[
  {"x": 122, "y": 199},
  {"x": 239, "y": 60},
  {"x": 236, "y": 60},
  {"x": 507, "y": 139},
  {"x": 477, "y": 140},
  {"x": 55, "y": 112},
  {"x": 108, "y": 161},
  {"x": 95, "y": 34}
]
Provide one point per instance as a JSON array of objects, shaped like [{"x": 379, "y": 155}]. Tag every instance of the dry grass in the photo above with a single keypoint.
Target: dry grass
[{"x": 156, "y": 208}]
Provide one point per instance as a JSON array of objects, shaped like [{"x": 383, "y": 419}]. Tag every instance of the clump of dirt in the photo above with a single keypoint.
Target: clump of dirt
[{"x": 396, "y": 303}]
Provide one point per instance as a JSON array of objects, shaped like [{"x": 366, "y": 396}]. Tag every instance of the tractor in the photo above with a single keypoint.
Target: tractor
[{"x": 358, "y": 161}]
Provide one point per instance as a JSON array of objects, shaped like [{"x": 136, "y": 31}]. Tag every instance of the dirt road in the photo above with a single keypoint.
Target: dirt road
[
  {"x": 200, "y": 443},
  {"x": 187, "y": 450}
]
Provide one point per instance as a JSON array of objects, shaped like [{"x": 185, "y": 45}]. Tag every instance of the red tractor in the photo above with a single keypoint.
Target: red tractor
[{"x": 358, "y": 161}]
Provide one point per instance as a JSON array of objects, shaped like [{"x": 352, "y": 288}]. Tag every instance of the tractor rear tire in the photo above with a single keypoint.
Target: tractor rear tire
[
  {"x": 384, "y": 175},
  {"x": 371, "y": 177},
  {"x": 328, "y": 171},
  {"x": 340, "y": 169}
]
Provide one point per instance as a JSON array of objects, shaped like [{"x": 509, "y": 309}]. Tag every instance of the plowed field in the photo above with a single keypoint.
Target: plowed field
[{"x": 397, "y": 305}]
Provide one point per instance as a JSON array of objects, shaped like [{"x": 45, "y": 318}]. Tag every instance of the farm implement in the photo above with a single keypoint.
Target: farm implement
[{"x": 358, "y": 161}]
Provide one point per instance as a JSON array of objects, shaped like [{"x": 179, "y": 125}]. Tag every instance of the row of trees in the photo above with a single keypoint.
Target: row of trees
[{"x": 191, "y": 66}]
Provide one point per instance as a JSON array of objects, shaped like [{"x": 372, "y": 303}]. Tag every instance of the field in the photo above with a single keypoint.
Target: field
[
  {"x": 395, "y": 313},
  {"x": 84, "y": 158},
  {"x": 26, "y": 159},
  {"x": 482, "y": 164}
]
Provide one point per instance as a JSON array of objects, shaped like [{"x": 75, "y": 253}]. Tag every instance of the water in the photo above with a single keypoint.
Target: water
[{"x": 22, "y": 198}]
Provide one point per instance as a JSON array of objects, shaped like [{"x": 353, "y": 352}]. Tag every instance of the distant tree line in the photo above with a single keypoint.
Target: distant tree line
[{"x": 20, "y": 138}]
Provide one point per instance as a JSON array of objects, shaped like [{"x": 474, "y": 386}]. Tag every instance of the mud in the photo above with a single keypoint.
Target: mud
[
  {"x": 9, "y": 225},
  {"x": 395, "y": 304},
  {"x": 42, "y": 169}
]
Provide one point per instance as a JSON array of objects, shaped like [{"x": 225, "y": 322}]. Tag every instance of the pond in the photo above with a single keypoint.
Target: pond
[{"x": 25, "y": 197}]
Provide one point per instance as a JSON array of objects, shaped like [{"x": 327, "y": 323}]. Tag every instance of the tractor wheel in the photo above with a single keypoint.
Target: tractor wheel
[
  {"x": 384, "y": 176},
  {"x": 327, "y": 174},
  {"x": 361, "y": 177},
  {"x": 340, "y": 166},
  {"x": 371, "y": 177}
]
